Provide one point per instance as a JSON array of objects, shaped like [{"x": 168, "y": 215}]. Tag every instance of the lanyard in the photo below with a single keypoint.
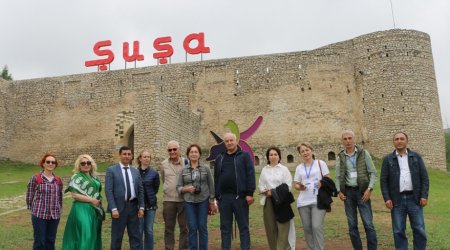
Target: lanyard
[
  {"x": 310, "y": 167},
  {"x": 353, "y": 160}
]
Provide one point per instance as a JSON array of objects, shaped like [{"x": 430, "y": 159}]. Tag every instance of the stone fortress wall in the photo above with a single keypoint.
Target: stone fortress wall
[{"x": 375, "y": 84}]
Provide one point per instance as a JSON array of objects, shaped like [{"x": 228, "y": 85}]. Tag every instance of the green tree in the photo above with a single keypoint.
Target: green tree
[{"x": 5, "y": 73}]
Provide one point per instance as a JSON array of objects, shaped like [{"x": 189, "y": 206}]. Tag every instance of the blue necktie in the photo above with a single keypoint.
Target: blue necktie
[{"x": 127, "y": 180}]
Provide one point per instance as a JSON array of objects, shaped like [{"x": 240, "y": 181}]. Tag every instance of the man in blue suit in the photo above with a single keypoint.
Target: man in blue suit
[
  {"x": 125, "y": 196},
  {"x": 404, "y": 185}
]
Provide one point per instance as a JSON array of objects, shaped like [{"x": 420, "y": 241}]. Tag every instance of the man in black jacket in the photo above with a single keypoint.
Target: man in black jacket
[
  {"x": 234, "y": 177},
  {"x": 404, "y": 185}
]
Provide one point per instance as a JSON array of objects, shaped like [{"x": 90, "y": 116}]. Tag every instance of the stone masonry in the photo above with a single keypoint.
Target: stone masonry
[{"x": 375, "y": 84}]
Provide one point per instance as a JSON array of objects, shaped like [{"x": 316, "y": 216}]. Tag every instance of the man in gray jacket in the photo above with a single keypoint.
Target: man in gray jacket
[
  {"x": 355, "y": 178},
  {"x": 125, "y": 196}
]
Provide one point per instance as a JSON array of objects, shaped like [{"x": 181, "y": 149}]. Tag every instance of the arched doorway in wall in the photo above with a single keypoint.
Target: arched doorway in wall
[
  {"x": 256, "y": 160},
  {"x": 331, "y": 156},
  {"x": 124, "y": 132},
  {"x": 129, "y": 137},
  {"x": 290, "y": 159}
]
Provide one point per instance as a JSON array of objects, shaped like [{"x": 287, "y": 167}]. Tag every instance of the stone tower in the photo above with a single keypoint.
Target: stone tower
[{"x": 396, "y": 71}]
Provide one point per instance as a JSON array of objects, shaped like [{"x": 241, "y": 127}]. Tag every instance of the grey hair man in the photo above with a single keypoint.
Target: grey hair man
[
  {"x": 355, "y": 178},
  {"x": 234, "y": 177},
  {"x": 173, "y": 208}
]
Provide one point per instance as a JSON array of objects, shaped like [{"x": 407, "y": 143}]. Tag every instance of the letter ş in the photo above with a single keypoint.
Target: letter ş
[{"x": 161, "y": 44}]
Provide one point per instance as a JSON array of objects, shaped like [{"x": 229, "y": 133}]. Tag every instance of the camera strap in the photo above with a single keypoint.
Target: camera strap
[{"x": 199, "y": 175}]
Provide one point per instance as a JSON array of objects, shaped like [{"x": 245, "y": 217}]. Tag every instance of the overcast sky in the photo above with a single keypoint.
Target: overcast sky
[{"x": 53, "y": 37}]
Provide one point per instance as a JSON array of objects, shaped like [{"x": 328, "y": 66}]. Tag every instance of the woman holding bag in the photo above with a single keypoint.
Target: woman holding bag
[
  {"x": 307, "y": 179},
  {"x": 273, "y": 176}
]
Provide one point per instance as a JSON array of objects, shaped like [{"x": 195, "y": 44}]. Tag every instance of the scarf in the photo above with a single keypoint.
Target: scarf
[{"x": 83, "y": 184}]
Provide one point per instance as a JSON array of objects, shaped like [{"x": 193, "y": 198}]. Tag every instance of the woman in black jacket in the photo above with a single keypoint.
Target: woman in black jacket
[{"x": 150, "y": 181}]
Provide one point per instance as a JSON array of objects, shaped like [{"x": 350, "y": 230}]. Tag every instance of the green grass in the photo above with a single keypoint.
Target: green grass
[
  {"x": 447, "y": 149},
  {"x": 17, "y": 174},
  {"x": 17, "y": 232}
]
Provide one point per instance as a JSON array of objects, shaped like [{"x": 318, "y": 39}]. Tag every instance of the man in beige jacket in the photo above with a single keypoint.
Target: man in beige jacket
[{"x": 172, "y": 201}]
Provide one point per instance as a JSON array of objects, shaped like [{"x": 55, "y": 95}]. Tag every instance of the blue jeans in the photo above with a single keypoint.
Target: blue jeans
[
  {"x": 197, "y": 218},
  {"x": 146, "y": 229},
  {"x": 229, "y": 205},
  {"x": 352, "y": 202},
  {"x": 44, "y": 232},
  {"x": 408, "y": 206}
]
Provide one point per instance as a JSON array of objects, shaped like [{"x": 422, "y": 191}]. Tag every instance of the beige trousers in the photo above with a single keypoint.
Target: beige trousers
[{"x": 276, "y": 233}]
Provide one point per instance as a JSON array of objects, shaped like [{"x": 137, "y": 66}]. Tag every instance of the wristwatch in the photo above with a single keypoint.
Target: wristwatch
[{"x": 370, "y": 189}]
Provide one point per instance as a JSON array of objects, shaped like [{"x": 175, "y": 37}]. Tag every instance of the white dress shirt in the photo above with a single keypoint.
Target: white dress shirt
[
  {"x": 405, "y": 174},
  {"x": 133, "y": 192},
  {"x": 272, "y": 177}
]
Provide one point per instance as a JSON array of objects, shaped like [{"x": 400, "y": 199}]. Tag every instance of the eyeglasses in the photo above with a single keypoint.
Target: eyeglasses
[
  {"x": 84, "y": 163},
  {"x": 50, "y": 162},
  {"x": 172, "y": 149}
]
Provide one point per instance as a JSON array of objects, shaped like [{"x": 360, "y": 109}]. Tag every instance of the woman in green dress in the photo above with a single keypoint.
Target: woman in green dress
[{"x": 84, "y": 224}]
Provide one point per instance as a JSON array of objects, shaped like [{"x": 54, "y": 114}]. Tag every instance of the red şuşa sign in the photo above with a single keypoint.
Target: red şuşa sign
[{"x": 161, "y": 44}]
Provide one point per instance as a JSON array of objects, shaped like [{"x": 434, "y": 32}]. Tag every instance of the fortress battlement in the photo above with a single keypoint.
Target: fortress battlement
[{"x": 375, "y": 84}]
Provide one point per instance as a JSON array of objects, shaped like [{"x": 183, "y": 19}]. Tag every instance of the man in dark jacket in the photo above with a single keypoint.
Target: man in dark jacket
[
  {"x": 234, "y": 177},
  {"x": 404, "y": 185}
]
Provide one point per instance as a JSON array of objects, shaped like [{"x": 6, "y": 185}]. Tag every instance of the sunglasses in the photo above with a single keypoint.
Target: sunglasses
[
  {"x": 84, "y": 163},
  {"x": 172, "y": 149},
  {"x": 50, "y": 162}
]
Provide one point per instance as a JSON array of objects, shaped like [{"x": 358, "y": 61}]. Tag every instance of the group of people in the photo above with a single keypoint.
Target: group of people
[
  {"x": 44, "y": 199},
  {"x": 404, "y": 187},
  {"x": 192, "y": 192}
]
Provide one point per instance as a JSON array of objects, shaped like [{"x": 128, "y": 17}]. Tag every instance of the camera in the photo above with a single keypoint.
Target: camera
[{"x": 198, "y": 188}]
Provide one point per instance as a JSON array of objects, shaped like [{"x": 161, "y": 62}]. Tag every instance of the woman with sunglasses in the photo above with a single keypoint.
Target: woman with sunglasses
[
  {"x": 44, "y": 199},
  {"x": 84, "y": 224},
  {"x": 196, "y": 185}
]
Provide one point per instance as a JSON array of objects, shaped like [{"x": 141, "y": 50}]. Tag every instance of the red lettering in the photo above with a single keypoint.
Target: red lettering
[
  {"x": 126, "y": 52},
  {"x": 101, "y": 63},
  {"x": 161, "y": 44},
  {"x": 201, "y": 48}
]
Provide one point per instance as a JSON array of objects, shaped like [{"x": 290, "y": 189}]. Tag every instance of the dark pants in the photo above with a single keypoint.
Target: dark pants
[
  {"x": 230, "y": 206},
  {"x": 352, "y": 203},
  {"x": 44, "y": 232},
  {"x": 127, "y": 219},
  {"x": 171, "y": 212}
]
